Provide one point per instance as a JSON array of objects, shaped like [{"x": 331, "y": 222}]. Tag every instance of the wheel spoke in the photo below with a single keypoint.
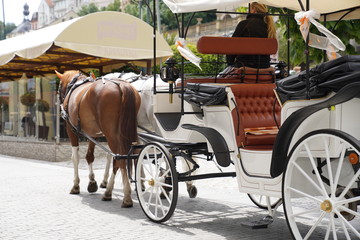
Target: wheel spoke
[
  {"x": 148, "y": 168},
  {"x": 156, "y": 162},
  {"x": 148, "y": 163},
  {"x": 328, "y": 163},
  {"x": 348, "y": 186},
  {"x": 328, "y": 230},
  {"x": 347, "y": 222},
  {"x": 315, "y": 225},
  {"x": 165, "y": 194},
  {"x": 339, "y": 168},
  {"x": 307, "y": 177},
  {"x": 348, "y": 210},
  {"x": 156, "y": 201},
  {"x": 166, "y": 172},
  {"x": 315, "y": 170},
  {"x": 333, "y": 226},
  {"x": 345, "y": 230},
  {"x": 164, "y": 185},
  {"x": 347, "y": 200},
  {"x": 305, "y": 212},
  {"x": 304, "y": 194},
  {"x": 161, "y": 205}
]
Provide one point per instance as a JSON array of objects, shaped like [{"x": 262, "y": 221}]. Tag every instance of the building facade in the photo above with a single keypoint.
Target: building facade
[{"x": 52, "y": 10}]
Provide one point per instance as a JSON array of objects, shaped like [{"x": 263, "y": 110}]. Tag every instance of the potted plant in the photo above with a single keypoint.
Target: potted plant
[{"x": 28, "y": 99}]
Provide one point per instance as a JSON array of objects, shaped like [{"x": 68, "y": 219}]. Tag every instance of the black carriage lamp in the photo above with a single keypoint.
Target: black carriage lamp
[{"x": 169, "y": 73}]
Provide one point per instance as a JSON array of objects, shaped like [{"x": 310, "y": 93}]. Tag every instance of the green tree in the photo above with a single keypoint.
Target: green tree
[
  {"x": 345, "y": 30},
  {"x": 86, "y": 9},
  {"x": 167, "y": 17},
  {"x": 8, "y": 28},
  {"x": 114, "y": 6}
]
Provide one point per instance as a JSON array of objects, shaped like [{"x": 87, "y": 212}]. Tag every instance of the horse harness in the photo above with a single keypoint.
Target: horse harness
[{"x": 75, "y": 83}]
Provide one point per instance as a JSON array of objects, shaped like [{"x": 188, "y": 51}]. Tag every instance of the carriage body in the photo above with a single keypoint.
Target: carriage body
[{"x": 314, "y": 155}]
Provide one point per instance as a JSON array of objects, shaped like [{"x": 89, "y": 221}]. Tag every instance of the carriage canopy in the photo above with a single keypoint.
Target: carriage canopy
[{"x": 332, "y": 8}]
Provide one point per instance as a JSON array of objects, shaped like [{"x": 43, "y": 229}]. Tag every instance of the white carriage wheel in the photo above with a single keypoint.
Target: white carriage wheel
[
  {"x": 261, "y": 201},
  {"x": 156, "y": 182},
  {"x": 319, "y": 202}
]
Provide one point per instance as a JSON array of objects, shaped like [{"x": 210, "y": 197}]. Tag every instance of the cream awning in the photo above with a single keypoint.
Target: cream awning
[{"x": 95, "y": 40}]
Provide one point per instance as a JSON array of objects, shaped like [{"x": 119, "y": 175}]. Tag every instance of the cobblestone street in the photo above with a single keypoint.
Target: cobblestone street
[{"x": 35, "y": 204}]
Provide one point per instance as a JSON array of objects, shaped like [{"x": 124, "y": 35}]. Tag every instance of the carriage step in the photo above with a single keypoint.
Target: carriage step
[{"x": 262, "y": 223}]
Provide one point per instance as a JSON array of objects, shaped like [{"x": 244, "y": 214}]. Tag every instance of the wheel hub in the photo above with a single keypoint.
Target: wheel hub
[
  {"x": 151, "y": 182},
  {"x": 326, "y": 206}
]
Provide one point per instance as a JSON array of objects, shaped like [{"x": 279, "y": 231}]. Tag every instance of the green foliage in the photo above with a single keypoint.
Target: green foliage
[
  {"x": 114, "y": 6},
  {"x": 42, "y": 105},
  {"x": 170, "y": 38},
  {"x": 167, "y": 17},
  {"x": 96, "y": 72},
  {"x": 345, "y": 30},
  {"x": 28, "y": 99},
  {"x": 8, "y": 28},
  {"x": 207, "y": 62},
  {"x": 86, "y": 9},
  {"x": 132, "y": 9}
]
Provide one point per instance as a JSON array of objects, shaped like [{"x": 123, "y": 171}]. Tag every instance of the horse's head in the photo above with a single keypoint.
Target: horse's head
[{"x": 65, "y": 79}]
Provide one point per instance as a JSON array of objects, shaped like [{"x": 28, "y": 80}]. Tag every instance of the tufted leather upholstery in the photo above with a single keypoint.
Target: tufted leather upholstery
[
  {"x": 255, "y": 104},
  {"x": 244, "y": 75}
]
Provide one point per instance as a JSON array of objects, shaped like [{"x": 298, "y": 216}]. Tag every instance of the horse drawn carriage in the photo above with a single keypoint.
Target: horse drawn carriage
[{"x": 294, "y": 140}]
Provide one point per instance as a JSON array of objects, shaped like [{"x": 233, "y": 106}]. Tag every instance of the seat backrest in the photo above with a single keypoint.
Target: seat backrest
[
  {"x": 237, "y": 45},
  {"x": 255, "y": 109}
]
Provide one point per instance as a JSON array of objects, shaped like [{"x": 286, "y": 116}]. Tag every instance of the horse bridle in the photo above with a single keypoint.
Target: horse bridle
[{"x": 69, "y": 87}]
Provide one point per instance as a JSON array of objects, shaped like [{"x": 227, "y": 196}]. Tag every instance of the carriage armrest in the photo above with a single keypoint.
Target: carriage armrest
[{"x": 237, "y": 45}]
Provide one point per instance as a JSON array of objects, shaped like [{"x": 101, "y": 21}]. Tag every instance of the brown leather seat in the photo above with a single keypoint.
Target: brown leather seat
[
  {"x": 254, "y": 122},
  {"x": 244, "y": 75}
]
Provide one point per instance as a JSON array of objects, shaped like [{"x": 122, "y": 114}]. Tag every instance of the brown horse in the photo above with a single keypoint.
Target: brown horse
[{"x": 98, "y": 108}]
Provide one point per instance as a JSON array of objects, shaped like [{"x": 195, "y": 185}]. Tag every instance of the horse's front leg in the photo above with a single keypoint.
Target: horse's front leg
[
  {"x": 92, "y": 186},
  {"x": 107, "y": 170},
  {"x": 75, "y": 158}
]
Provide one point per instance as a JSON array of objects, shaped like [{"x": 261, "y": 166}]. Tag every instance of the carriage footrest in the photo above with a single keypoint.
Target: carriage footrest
[{"x": 262, "y": 223}]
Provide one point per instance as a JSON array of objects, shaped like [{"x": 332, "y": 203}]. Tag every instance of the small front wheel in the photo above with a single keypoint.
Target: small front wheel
[{"x": 156, "y": 182}]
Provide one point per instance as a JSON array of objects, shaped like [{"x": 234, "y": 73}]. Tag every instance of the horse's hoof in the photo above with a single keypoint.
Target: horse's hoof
[
  {"x": 192, "y": 190},
  {"x": 75, "y": 190},
  {"x": 92, "y": 187},
  {"x": 103, "y": 185},
  {"x": 106, "y": 197},
  {"x": 126, "y": 205}
]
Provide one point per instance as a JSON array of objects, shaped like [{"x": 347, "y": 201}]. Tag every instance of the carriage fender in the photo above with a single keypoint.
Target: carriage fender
[
  {"x": 216, "y": 141},
  {"x": 282, "y": 142}
]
